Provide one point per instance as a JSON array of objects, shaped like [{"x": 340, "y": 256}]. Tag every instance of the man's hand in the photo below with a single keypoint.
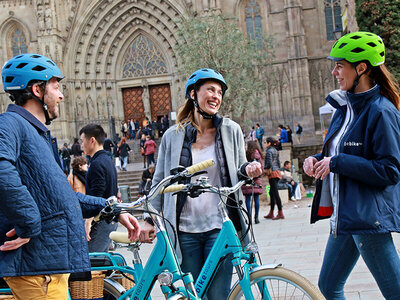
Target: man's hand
[
  {"x": 147, "y": 234},
  {"x": 308, "y": 165},
  {"x": 253, "y": 169},
  {"x": 14, "y": 244},
  {"x": 131, "y": 224}
]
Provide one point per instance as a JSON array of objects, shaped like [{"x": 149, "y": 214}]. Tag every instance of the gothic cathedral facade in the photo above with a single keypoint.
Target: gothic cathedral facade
[{"x": 119, "y": 61}]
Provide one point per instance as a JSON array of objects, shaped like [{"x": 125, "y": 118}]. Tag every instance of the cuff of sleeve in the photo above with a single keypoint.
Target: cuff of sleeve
[
  {"x": 242, "y": 171},
  {"x": 149, "y": 220},
  {"x": 333, "y": 164}
]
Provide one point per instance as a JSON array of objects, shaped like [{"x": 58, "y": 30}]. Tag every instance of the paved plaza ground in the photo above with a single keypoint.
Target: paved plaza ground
[{"x": 299, "y": 246}]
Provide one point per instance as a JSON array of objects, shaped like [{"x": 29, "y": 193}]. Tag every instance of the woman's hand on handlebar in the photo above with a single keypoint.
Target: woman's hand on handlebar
[
  {"x": 147, "y": 234},
  {"x": 254, "y": 169},
  {"x": 131, "y": 224}
]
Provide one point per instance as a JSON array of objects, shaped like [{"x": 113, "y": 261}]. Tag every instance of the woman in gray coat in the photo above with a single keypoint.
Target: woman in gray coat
[{"x": 201, "y": 134}]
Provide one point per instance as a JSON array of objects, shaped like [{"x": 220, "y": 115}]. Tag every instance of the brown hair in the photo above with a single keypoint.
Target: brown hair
[
  {"x": 123, "y": 141},
  {"x": 252, "y": 146},
  {"x": 388, "y": 84},
  {"x": 77, "y": 162},
  {"x": 186, "y": 115}
]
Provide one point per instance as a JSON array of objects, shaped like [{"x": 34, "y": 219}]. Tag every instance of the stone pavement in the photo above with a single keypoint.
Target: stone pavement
[{"x": 298, "y": 246}]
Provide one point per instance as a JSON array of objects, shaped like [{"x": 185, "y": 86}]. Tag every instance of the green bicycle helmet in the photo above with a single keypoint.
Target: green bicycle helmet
[{"x": 359, "y": 46}]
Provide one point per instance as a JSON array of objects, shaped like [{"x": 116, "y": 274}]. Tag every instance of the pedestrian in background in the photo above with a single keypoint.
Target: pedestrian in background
[
  {"x": 66, "y": 156},
  {"x": 289, "y": 134},
  {"x": 254, "y": 153},
  {"x": 252, "y": 134},
  {"x": 101, "y": 181},
  {"x": 142, "y": 150},
  {"x": 299, "y": 131},
  {"x": 149, "y": 150},
  {"x": 77, "y": 180},
  {"x": 260, "y": 135},
  {"x": 123, "y": 150},
  {"x": 76, "y": 150},
  {"x": 358, "y": 170},
  {"x": 272, "y": 167}
]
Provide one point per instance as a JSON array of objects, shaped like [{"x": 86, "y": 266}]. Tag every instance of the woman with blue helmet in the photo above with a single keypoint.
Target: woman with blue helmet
[
  {"x": 201, "y": 134},
  {"x": 358, "y": 171}
]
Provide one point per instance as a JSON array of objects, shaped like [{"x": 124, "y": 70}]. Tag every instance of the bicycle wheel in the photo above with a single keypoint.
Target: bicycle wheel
[
  {"x": 110, "y": 292},
  {"x": 281, "y": 284}
]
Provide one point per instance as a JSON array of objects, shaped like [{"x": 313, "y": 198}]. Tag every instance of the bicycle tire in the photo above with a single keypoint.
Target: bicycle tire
[
  {"x": 281, "y": 283},
  {"x": 110, "y": 292}
]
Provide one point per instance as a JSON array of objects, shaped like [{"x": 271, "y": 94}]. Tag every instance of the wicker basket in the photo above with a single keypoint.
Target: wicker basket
[
  {"x": 7, "y": 297},
  {"x": 125, "y": 282},
  {"x": 92, "y": 289}
]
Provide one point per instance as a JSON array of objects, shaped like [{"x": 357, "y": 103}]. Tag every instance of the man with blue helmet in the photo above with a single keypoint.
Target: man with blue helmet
[
  {"x": 42, "y": 236},
  {"x": 202, "y": 134}
]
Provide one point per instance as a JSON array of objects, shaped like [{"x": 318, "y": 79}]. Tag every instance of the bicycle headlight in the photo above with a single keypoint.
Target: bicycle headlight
[
  {"x": 165, "y": 278},
  {"x": 251, "y": 247}
]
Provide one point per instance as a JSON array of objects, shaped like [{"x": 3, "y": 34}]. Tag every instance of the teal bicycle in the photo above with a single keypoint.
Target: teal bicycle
[{"x": 255, "y": 281}]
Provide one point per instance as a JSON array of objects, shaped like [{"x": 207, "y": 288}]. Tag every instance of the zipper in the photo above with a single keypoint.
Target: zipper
[{"x": 336, "y": 176}]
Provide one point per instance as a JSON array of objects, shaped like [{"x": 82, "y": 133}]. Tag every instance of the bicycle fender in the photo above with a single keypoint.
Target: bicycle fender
[
  {"x": 116, "y": 285},
  {"x": 262, "y": 267}
]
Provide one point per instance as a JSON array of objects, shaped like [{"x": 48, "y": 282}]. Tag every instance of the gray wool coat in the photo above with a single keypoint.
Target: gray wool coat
[{"x": 169, "y": 156}]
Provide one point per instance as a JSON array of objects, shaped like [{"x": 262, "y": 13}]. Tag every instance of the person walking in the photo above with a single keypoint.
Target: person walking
[
  {"x": 42, "y": 236},
  {"x": 77, "y": 180},
  {"x": 101, "y": 181},
  {"x": 124, "y": 149},
  {"x": 358, "y": 170},
  {"x": 149, "y": 150},
  {"x": 252, "y": 134},
  {"x": 66, "y": 159},
  {"x": 260, "y": 135},
  {"x": 254, "y": 153},
  {"x": 272, "y": 166},
  {"x": 289, "y": 134},
  {"x": 76, "y": 150},
  {"x": 299, "y": 131},
  {"x": 200, "y": 134},
  {"x": 142, "y": 150}
]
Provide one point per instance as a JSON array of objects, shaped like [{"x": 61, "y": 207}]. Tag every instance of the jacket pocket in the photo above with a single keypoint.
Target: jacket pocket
[{"x": 50, "y": 250}]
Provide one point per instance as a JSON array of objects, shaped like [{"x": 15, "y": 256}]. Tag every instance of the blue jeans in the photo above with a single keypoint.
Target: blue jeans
[
  {"x": 256, "y": 204},
  {"x": 150, "y": 159},
  {"x": 195, "y": 248},
  {"x": 341, "y": 255},
  {"x": 124, "y": 161}
]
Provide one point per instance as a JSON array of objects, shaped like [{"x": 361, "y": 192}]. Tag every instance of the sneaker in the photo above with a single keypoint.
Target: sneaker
[{"x": 292, "y": 199}]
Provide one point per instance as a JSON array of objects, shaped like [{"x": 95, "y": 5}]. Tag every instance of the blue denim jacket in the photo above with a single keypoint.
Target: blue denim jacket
[{"x": 37, "y": 200}]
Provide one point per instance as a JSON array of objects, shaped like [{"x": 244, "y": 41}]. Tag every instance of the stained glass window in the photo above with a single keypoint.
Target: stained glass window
[
  {"x": 18, "y": 42},
  {"x": 143, "y": 58},
  {"x": 253, "y": 21},
  {"x": 333, "y": 18}
]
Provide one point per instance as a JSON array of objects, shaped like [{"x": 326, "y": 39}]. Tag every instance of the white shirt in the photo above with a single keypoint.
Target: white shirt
[{"x": 201, "y": 214}]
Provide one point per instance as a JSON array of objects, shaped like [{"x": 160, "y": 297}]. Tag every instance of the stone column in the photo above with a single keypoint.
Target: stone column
[{"x": 299, "y": 67}]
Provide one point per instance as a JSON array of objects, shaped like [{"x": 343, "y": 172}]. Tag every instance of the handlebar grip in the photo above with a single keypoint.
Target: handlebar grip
[
  {"x": 173, "y": 188},
  {"x": 120, "y": 237},
  {"x": 200, "y": 166}
]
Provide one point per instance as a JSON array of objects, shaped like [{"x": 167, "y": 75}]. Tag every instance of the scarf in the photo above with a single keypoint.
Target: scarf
[{"x": 80, "y": 174}]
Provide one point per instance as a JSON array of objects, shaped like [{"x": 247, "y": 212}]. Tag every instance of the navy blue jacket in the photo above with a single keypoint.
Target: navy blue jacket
[
  {"x": 101, "y": 178},
  {"x": 367, "y": 166},
  {"x": 37, "y": 200}
]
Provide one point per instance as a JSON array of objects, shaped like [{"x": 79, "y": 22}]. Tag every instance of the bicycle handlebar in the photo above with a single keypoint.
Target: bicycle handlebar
[{"x": 156, "y": 190}]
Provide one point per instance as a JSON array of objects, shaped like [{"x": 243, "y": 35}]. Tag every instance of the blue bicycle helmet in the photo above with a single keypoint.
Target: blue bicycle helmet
[
  {"x": 204, "y": 74},
  {"x": 21, "y": 69}
]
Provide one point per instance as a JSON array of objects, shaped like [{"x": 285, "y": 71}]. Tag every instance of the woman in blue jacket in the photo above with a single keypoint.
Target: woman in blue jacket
[{"x": 358, "y": 171}]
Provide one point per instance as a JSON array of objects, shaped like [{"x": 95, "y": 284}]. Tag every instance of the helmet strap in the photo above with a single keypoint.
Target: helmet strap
[
  {"x": 201, "y": 112},
  {"x": 357, "y": 80},
  {"x": 44, "y": 105}
]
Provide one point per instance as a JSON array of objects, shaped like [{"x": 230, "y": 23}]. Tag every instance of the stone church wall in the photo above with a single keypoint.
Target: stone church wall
[{"x": 91, "y": 40}]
